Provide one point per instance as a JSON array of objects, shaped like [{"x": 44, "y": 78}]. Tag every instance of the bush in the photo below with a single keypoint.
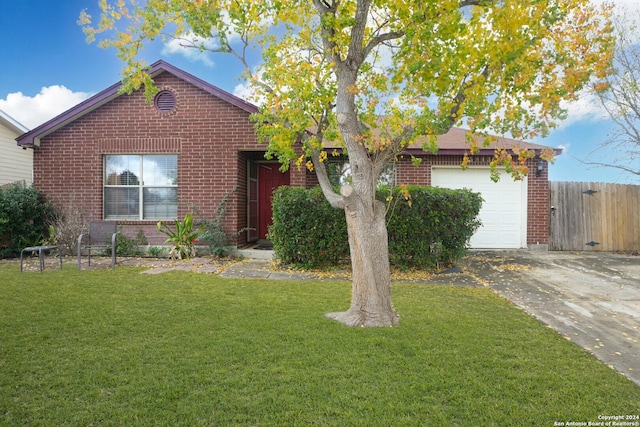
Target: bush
[
  {"x": 25, "y": 216},
  {"x": 306, "y": 230},
  {"x": 128, "y": 246},
  {"x": 430, "y": 229},
  {"x": 434, "y": 229},
  {"x": 68, "y": 223},
  {"x": 155, "y": 251}
]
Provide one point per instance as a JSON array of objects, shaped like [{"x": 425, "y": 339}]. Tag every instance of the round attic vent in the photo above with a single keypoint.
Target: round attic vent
[{"x": 165, "y": 101}]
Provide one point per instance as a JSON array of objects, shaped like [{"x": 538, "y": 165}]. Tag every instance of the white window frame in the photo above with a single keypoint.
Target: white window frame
[{"x": 141, "y": 186}]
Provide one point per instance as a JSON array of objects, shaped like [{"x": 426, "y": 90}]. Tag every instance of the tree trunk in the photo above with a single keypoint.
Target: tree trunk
[{"x": 371, "y": 287}]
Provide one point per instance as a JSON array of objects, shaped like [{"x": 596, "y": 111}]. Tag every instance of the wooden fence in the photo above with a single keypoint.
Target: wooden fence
[{"x": 594, "y": 217}]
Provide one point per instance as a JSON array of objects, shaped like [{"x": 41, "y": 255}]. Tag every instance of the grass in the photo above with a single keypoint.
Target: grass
[{"x": 115, "y": 347}]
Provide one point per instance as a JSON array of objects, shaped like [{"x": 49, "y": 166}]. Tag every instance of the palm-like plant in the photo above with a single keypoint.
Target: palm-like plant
[{"x": 183, "y": 238}]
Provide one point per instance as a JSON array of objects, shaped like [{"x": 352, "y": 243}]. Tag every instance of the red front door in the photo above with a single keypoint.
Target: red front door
[{"x": 269, "y": 178}]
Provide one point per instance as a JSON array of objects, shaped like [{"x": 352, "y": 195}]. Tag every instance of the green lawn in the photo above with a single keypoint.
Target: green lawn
[{"x": 115, "y": 347}]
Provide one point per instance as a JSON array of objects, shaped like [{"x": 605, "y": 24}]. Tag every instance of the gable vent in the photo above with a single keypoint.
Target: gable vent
[{"x": 165, "y": 101}]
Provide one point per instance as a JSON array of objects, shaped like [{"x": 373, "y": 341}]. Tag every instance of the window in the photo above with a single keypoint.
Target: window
[
  {"x": 141, "y": 186},
  {"x": 340, "y": 174}
]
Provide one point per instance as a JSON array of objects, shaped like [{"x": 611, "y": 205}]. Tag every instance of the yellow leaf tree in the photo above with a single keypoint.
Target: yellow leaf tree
[{"x": 374, "y": 75}]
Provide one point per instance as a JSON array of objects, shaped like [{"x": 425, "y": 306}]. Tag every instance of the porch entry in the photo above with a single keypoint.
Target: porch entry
[{"x": 264, "y": 179}]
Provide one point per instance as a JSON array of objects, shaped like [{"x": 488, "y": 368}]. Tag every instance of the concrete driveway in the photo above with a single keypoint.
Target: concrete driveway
[{"x": 591, "y": 298}]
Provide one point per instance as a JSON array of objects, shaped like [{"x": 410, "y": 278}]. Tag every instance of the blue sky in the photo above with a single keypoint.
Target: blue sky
[{"x": 48, "y": 67}]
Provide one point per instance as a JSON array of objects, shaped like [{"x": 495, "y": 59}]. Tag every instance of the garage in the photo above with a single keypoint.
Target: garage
[{"x": 504, "y": 210}]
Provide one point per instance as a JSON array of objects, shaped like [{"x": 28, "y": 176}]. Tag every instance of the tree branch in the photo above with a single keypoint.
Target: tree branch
[
  {"x": 327, "y": 33},
  {"x": 621, "y": 102},
  {"x": 227, "y": 48},
  {"x": 459, "y": 99},
  {"x": 334, "y": 199},
  {"x": 356, "y": 54},
  {"x": 378, "y": 40},
  {"x": 614, "y": 166},
  {"x": 465, "y": 3},
  {"x": 382, "y": 158}
]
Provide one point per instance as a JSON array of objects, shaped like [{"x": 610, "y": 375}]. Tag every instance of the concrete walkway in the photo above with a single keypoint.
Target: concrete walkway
[{"x": 264, "y": 268}]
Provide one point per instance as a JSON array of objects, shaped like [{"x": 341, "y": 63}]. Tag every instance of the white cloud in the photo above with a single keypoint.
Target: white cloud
[
  {"x": 587, "y": 107},
  {"x": 244, "y": 91},
  {"x": 564, "y": 147},
  {"x": 249, "y": 93},
  {"x": 192, "y": 47},
  {"x": 33, "y": 111}
]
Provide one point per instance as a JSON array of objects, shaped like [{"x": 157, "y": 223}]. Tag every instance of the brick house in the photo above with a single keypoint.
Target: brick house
[{"x": 120, "y": 158}]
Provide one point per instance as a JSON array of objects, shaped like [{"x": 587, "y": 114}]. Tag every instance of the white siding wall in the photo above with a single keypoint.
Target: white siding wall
[{"x": 15, "y": 163}]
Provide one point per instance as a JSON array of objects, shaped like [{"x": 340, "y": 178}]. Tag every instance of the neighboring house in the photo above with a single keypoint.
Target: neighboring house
[
  {"x": 121, "y": 158},
  {"x": 16, "y": 163}
]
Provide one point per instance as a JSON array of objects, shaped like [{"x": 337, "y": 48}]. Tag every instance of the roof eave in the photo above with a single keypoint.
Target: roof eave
[
  {"x": 12, "y": 123},
  {"x": 462, "y": 151},
  {"x": 161, "y": 66},
  {"x": 33, "y": 137}
]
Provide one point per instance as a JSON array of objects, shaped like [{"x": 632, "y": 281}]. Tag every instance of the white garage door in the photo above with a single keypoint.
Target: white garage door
[{"x": 504, "y": 210}]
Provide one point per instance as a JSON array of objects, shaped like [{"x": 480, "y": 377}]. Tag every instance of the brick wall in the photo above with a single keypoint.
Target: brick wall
[
  {"x": 538, "y": 204},
  {"x": 213, "y": 140},
  {"x": 206, "y": 132}
]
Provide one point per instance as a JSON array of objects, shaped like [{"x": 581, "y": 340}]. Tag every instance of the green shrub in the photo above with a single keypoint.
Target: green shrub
[
  {"x": 306, "y": 230},
  {"x": 128, "y": 246},
  {"x": 25, "y": 216},
  {"x": 430, "y": 229},
  {"x": 155, "y": 251}
]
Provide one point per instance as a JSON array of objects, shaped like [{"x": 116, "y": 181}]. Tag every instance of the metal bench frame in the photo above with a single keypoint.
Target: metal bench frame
[
  {"x": 41, "y": 254},
  {"x": 102, "y": 235}
]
